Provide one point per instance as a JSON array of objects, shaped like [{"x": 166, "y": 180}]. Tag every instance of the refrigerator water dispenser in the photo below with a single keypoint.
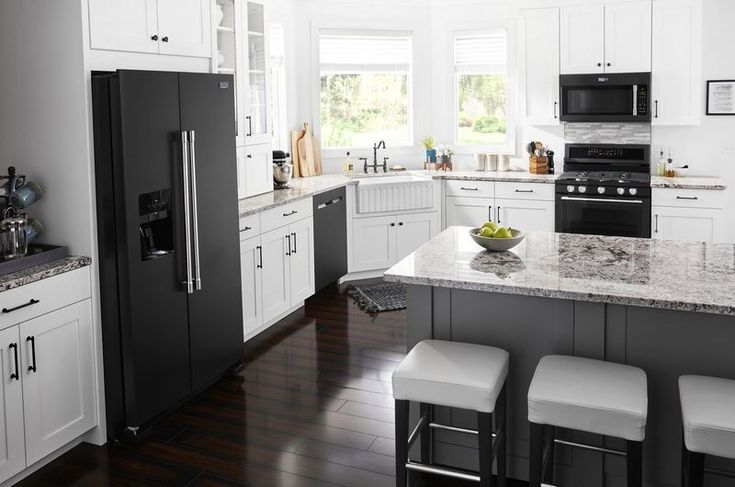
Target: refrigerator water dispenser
[{"x": 156, "y": 227}]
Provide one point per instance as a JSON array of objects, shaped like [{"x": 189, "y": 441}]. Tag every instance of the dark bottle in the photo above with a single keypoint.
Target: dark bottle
[{"x": 550, "y": 159}]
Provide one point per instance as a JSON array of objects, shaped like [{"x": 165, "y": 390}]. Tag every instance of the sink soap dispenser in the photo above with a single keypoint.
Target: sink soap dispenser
[{"x": 348, "y": 167}]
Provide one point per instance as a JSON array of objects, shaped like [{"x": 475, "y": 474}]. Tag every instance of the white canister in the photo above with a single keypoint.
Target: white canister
[
  {"x": 504, "y": 162},
  {"x": 491, "y": 162},
  {"x": 480, "y": 162}
]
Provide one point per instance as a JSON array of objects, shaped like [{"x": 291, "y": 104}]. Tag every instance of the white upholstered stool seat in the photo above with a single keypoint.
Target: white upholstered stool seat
[
  {"x": 589, "y": 395},
  {"x": 454, "y": 374},
  {"x": 708, "y": 414}
]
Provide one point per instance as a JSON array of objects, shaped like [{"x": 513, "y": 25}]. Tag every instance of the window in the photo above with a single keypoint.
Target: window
[
  {"x": 279, "y": 121},
  {"x": 481, "y": 88},
  {"x": 365, "y": 88}
]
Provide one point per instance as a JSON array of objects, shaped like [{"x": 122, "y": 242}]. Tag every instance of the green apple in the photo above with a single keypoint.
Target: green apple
[
  {"x": 503, "y": 232},
  {"x": 486, "y": 232},
  {"x": 491, "y": 225}
]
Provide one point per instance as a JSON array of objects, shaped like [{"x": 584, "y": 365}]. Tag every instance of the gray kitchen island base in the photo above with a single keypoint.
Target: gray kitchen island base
[{"x": 664, "y": 343}]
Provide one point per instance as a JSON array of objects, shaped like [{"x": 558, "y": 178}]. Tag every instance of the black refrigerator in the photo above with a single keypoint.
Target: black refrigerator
[{"x": 169, "y": 259}]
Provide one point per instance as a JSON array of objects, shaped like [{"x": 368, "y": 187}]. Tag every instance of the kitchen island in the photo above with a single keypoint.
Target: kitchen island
[{"x": 666, "y": 307}]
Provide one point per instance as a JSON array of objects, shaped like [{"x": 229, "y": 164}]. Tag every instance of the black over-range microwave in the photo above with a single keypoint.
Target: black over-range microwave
[{"x": 617, "y": 97}]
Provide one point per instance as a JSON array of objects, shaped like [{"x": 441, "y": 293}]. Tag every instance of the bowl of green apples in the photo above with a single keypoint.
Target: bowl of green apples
[{"x": 495, "y": 238}]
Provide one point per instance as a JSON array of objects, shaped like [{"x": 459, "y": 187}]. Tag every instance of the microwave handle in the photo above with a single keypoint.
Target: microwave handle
[{"x": 635, "y": 100}]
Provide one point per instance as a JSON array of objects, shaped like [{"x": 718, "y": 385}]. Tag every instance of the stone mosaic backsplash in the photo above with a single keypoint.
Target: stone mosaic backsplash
[{"x": 607, "y": 133}]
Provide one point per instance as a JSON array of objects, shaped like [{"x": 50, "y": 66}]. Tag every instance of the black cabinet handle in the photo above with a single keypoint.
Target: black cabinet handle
[
  {"x": 392, "y": 224},
  {"x": 608, "y": 65},
  {"x": 246, "y": 229},
  {"x": 469, "y": 189},
  {"x": 250, "y": 125},
  {"x": 32, "y": 368},
  {"x": 260, "y": 252},
  {"x": 29, "y": 303},
  {"x": 656, "y": 103},
  {"x": 556, "y": 105},
  {"x": 489, "y": 212},
  {"x": 692, "y": 198},
  {"x": 289, "y": 214},
  {"x": 400, "y": 224},
  {"x": 498, "y": 215},
  {"x": 249, "y": 156},
  {"x": 164, "y": 39},
  {"x": 15, "y": 374},
  {"x": 288, "y": 252},
  {"x": 656, "y": 229},
  {"x": 154, "y": 37},
  {"x": 524, "y": 191},
  {"x": 599, "y": 65},
  {"x": 294, "y": 242}
]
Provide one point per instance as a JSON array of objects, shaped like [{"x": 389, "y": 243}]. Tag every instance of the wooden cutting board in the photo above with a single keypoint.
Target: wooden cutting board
[
  {"x": 306, "y": 153},
  {"x": 296, "y": 135},
  {"x": 318, "y": 156}
]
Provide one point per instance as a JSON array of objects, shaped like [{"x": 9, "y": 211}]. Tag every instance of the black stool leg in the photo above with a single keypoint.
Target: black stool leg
[
  {"x": 501, "y": 420},
  {"x": 634, "y": 451},
  {"x": 401, "y": 443},
  {"x": 536, "y": 455},
  {"x": 548, "y": 458},
  {"x": 692, "y": 468},
  {"x": 426, "y": 411},
  {"x": 485, "y": 435}
]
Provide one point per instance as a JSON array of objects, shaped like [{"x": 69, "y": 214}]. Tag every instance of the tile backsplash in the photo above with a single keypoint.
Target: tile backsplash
[{"x": 607, "y": 133}]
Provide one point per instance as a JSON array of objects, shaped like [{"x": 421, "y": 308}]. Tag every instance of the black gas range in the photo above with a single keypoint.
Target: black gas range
[{"x": 605, "y": 190}]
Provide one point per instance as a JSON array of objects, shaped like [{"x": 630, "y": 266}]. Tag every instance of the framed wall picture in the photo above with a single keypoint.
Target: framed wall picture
[{"x": 721, "y": 97}]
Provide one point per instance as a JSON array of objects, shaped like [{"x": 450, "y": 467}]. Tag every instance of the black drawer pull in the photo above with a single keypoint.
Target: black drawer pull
[
  {"x": 470, "y": 189},
  {"x": 246, "y": 229},
  {"x": 29, "y": 303},
  {"x": 289, "y": 214},
  {"x": 15, "y": 374},
  {"x": 294, "y": 243},
  {"x": 32, "y": 368},
  {"x": 692, "y": 198},
  {"x": 288, "y": 252},
  {"x": 260, "y": 259},
  {"x": 524, "y": 191}
]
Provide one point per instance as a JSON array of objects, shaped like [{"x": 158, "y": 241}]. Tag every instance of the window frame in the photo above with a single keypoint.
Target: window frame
[
  {"x": 510, "y": 145},
  {"x": 386, "y": 28}
]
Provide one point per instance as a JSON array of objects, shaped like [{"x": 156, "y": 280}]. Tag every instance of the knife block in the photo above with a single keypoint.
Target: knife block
[{"x": 538, "y": 165}]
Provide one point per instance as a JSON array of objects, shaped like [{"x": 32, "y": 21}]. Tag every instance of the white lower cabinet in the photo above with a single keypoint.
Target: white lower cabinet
[
  {"x": 688, "y": 224},
  {"x": 468, "y": 212},
  {"x": 12, "y": 434},
  {"x": 526, "y": 215},
  {"x": 380, "y": 242},
  {"x": 277, "y": 273}
]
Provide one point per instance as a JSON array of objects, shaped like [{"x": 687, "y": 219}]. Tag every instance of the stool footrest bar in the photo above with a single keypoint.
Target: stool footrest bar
[
  {"x": 590, "y": 447},
  {"x": 719, "y": 473},
  {"x": 446, "y": 472},
  {"x": 455, "y": 429}
]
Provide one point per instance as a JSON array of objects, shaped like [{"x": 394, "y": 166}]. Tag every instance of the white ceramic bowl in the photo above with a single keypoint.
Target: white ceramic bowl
[
  {"x": 497, "y": 244},
  {"x": 681, "y": 172}
]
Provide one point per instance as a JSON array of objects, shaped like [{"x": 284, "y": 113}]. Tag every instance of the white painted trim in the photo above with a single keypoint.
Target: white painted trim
[{"x": 270, "y": 323}]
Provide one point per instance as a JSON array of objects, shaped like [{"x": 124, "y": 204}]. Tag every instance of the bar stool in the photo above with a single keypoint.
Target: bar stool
[
  {"x": 457, "y": 375},
  {"x": 591, "y": 396},
  {"x": 708, "y": 416}
]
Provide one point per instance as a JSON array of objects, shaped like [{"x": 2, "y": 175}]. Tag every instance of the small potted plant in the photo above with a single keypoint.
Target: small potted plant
[
  {"x": 446, "y": 153},
  {"x": 428, "y": 143}
]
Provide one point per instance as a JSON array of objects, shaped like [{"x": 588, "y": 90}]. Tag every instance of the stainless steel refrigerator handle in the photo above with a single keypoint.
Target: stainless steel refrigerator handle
[
  {"x": 187, "y": 209},
  {"x": 195, "y": 209}
]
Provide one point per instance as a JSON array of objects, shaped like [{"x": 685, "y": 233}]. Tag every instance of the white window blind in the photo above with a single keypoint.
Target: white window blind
[
  {"x": 484, "y": 52},
  {"x": 359, "y": 52}
]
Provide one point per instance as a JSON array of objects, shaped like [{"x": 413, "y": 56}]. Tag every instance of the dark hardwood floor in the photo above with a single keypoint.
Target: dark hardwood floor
[{"x": 312, "y": 406}]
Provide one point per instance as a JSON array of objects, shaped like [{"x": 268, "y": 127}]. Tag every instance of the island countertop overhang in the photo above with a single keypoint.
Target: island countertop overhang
[{"x": 682, "y": 276}]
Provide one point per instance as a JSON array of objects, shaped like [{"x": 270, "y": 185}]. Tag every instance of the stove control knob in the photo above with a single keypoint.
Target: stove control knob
[
  {"x": 570, "y": 189},
  {"x": 621, "y": 191},
  {"x": 601, "y": 190},
  {"x": 633, "y": 191},
  {"x": 582, "y": 189}
]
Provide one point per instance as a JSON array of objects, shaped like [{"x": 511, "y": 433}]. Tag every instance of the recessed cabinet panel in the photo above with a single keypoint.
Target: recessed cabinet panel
[
  {"x": 468, "y": 212},
  {"x": 688, "y": 224},
  {"x": 258, "y": 169},
  {"x": 582, "y": 39},
  {"x": 374, "y": 243},
  {"x": 541, "y": 32},
  {"x": 526, "y": 215},
  {"x": 184, "y": 27},
  {"x": 301, "y": 261},
  {"x": 252, "y": 290},
  {"x": 58, "y": 378},
  {"x": 413, "y": 231},
  {"x": 12, "y": 436},
  {"x": 131, "y": 25},
  {"x": 628, "y": 37}
]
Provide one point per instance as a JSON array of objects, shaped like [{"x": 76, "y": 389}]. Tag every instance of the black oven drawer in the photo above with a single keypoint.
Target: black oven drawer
[{"x": 598, "y": 215}]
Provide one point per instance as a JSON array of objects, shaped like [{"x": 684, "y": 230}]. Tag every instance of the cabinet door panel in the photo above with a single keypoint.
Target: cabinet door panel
[
  {"x": 688, "y": 224},
  {"x": 526, "y": 215},
  {"x": 582, "y": 39},
  {"x": 258, "y": 169},
  {"x": 123, "y": 26},
  {"x": 257, "y": 79},
  {"x": 542, "y": 66},
  {"x": 252, "y": 290},
  {"x": 628, "y": 37},
  {"x": 274, "y": 274},
  {"x": 63, "y": 378},
  {"x": 676, "y": 80},
  {"x": 414, "y": 231},
  {"x": 374, "y": 243},
  {"x": 12, "y": 436},
  {"x": 301, "y": 262},
  {"x": 185, "y": 27},
  {"x": 468, "y": 212}
]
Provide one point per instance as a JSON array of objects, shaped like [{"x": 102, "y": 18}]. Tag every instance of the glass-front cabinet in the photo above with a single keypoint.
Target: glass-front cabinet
[{"x": 242, "y": 50}]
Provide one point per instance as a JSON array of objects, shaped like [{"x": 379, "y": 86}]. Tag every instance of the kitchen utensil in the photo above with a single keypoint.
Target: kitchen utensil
[
  {"x": 497, "y": 244},
  {"x": 14, "y": 238},
  {"x": 531, "y": 148},
  {"x": 306, "y": 153},
  {"x": 317, "y": 155},
  {"x": 296, "y": 135}
]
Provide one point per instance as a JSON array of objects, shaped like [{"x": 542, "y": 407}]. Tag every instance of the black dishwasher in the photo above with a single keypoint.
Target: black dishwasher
[{"x": 330, "y": 237}]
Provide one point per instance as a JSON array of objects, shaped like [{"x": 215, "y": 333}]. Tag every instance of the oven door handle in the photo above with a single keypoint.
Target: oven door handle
[{"x": 602, "y": 200}]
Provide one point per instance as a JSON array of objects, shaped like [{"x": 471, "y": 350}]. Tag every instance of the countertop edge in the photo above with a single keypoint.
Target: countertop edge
[
  {"x": 565, "y": 295},
  {"x": 41, "y": 272}
]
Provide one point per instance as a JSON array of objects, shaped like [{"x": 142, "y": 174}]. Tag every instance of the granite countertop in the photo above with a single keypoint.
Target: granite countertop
[
  {"x": 694, "y": 182},
  {"x": 37, "y": 273},
  {"x": 506, "y": 176},
  {"x": 682, "y": 276}
]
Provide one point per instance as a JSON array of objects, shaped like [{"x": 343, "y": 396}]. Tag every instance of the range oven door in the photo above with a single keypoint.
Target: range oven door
[
  {"x": 598, "y": 215},
  {"x": 605, "y": 97}
]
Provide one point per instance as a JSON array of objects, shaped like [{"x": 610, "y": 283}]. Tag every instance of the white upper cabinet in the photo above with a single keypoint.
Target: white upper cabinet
[
  {"x": 609, "y": 38},
  {"x": 541, "y": 36},
  {"x": 175, "y": 27},
  {"x": 582, "y": 39},
  {"x": 184, "y": 27},
  {"x": 677, "y": 53},
  {"x": 257, "y": 79},
  {"x": 628, "y": 37},
  {"x": 123, "y": 26}
]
